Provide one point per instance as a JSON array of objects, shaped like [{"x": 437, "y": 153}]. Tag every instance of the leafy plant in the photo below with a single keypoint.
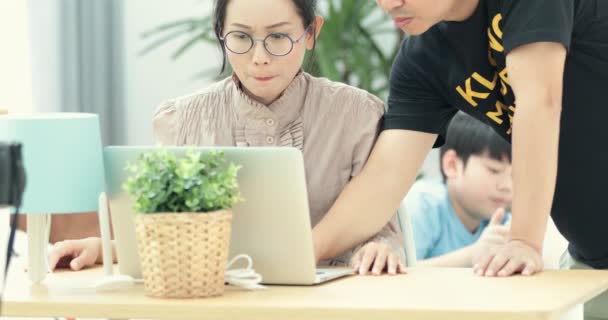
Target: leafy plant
[
  {"x": 356, "y": 46},
  {"x": 198, "y": 182}
]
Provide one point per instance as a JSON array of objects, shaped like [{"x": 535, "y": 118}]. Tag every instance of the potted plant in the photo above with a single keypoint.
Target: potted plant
[{"x": 183, "y": 220}]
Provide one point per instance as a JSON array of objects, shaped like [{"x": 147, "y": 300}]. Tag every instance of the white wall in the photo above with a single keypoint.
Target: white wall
[
  {"x": 154, "y": 77},
  {"x": 15, "y": 71}
]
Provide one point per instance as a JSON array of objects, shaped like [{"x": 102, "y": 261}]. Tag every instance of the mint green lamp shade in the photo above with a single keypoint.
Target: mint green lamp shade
[{"x": 62, "y": 155}]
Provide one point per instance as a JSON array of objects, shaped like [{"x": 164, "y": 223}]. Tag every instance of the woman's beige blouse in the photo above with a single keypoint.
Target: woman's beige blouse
[{"x": 334, "y": 125}]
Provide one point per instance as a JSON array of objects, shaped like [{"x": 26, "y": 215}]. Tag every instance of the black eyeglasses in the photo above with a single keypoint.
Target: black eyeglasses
[{"x": 277, "y": 44}]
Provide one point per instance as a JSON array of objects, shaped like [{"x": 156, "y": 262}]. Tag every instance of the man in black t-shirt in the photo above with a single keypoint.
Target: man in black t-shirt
[{"x": 534, "y": 70}]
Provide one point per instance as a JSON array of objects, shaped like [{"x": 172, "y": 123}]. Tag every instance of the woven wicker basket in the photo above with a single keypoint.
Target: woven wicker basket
[{"x": 183, "y": 255}]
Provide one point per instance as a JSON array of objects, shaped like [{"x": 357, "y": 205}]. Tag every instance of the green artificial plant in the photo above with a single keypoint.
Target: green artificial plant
[{"x": 159, "y": 182}]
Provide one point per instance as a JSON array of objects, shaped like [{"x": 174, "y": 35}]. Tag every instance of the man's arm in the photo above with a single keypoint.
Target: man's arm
[
  {"x": 536, "y": 74},
  {"x": 372, "y": 197}
]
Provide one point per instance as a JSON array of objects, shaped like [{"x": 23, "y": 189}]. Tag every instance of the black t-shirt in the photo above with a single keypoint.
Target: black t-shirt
[{"x": 461, "y": 66}]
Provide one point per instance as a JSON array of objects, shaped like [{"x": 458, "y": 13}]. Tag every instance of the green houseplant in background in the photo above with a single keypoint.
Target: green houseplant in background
[
  {"x": 183, "y": 221},
  {"x": 357, "y": 45}
]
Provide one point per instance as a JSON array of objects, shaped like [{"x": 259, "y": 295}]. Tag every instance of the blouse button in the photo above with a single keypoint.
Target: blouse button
[
  {"x": 269, "y": 140},
  {"x": 270, "y": 122}
]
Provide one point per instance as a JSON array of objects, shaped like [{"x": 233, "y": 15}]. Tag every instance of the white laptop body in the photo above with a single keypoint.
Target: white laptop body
[{"x": 272, "y": 224}]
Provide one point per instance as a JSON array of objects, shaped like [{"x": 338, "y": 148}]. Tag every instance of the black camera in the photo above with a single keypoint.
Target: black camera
[{"x": 12, "y": 175}]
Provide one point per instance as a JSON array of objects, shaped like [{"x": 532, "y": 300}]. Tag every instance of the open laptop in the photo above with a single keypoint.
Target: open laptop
[{"x": 272, "y": 224}]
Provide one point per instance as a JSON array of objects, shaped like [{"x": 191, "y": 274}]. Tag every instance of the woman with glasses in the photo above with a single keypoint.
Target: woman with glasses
[{"x": 270, "y": 101}]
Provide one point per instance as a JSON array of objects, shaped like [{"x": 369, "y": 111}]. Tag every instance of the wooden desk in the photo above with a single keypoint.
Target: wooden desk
[{"x": 422, "y": 294}]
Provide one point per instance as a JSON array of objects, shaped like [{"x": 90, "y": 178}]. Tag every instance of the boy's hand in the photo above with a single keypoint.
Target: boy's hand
[
  {"x": 377, "y": 256},
  {"x": 493, "y": 236},
  {"x": 76, "y": 254},
  {"x": 512, "y": 257}
]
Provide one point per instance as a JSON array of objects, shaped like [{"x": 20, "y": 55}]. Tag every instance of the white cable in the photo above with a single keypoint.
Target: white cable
[{"x": 245, "y": 278}]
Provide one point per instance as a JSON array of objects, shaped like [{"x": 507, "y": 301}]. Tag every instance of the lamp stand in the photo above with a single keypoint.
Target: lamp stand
[
  {"x": 110, "y": 281},
  {"x": 38, "y": 232}
]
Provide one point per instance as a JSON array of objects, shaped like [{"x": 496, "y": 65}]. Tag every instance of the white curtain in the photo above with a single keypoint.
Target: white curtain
[{"x": 76, "y": 60}]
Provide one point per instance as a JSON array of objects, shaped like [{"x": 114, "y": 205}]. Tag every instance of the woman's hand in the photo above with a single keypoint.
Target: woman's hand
[
  {"x": 376, "y": 257},
  {"x": 75, "y": 254}
]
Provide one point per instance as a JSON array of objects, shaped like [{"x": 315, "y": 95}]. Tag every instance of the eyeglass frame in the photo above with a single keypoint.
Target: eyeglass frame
[{"x": 254, "y": 40}]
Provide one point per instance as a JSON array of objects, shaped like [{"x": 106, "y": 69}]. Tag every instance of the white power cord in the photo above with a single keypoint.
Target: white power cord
[{"x": 245, "y": 278}]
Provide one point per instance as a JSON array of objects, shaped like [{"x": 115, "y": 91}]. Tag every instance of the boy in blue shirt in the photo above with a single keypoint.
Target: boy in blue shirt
[{"x": 454, "y": 219}]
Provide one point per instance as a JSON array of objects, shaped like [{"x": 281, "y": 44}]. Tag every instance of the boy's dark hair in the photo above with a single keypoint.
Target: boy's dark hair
[{"x": 469, "y": 136}]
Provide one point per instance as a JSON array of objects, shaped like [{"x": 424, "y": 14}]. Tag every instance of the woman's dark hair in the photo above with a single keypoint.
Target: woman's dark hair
[
  {"x": 469, "y": 136},
  {"x": 306, "y": 9}
]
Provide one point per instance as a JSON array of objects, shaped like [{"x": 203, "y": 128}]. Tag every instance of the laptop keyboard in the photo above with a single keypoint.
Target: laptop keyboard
[{"x": 322, "y": 271}]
